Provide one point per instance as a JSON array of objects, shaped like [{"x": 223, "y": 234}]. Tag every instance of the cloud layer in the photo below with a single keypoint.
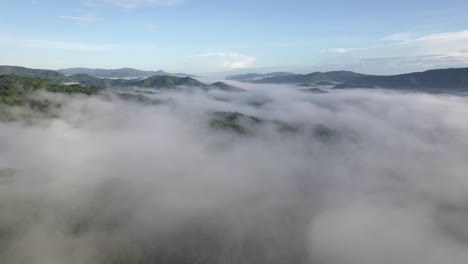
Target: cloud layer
[{"x": 103, "y": 180}]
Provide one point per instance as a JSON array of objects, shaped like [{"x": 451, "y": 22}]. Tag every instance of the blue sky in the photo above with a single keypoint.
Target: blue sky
[{"x": 203, "y": 36}]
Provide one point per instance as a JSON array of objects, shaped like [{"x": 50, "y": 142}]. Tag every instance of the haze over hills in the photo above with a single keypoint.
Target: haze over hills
[
  {"x": 282, "y": 78},
  {"x": 249, "y": 77},
  {"x": 311, "y": 132},
  {"x": 123, "y": 73},
  {"x": 23, "y": 71},
  {"x": 452, "y": 79},
  {"x": 155, "y": 81},
  {"x": 270, "y": 175}
]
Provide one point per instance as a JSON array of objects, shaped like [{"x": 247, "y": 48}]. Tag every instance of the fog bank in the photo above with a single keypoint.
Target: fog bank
[{"x": 103, "y": 180}]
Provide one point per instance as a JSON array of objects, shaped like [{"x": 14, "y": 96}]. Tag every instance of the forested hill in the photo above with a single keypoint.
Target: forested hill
[
  {"x": 453, "y": 79},
  {"x": 122, "y": 73},
  {"x": 44, "y": 74},
  {"x": 156, "y": 81},
  {"x": 331, "y": 77}
]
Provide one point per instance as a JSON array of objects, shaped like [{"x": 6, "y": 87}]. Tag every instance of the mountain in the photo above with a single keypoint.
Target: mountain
[
  {"x": 332, "y": 77},
  {"x": 156, "y": 81},
  {"x": 250, "y": 77},
  {"x": 172, "y": 82},
  {"x": 243, "y": 124},
  {"x": 15, "y": 90},
  {"x": 21, "y": 85},
  {"x": 225, "y": 87},
  {"x": 44, "y": 74},
  {"x": 87, "y": 80},
  {"x": 433, "y": 80},
  {"x": 314, "y": 90},
  {"x": 123, "y": 73},
  {"x": 167, "y": 82},
  {"x": 453, "y": 79}
]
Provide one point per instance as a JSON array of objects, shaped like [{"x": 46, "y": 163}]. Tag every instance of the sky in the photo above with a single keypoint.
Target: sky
[{"x": 220, "y": 36}]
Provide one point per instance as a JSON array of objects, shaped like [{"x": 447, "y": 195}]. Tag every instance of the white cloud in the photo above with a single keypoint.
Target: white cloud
[
  {"x": 461, "y": 35},
  {"x": 336, "y": 50},
  {"x": 144, "y": 181},
  {"x": 79, "y": 19},
  {"x": 57, "y": 45},
  {"x": 229, "y": 60},
  {"x": 404, "y": 53},
  {"x": 398, "y": 37},
  {"x": 131, "y": 4}
]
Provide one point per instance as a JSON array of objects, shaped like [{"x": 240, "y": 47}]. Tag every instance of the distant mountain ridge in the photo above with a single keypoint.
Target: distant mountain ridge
[
  {"x": 123, "y": 73},
  {"x": 40, "y": 73},
  {"x": 438, "y": 80},
  {"x": 15, "y": 90},
  {"x": 156, "y": 81},
  {"x": 453, "y": 79},
  {"x": 249, "y": 77},
  {"x": 331, "y": 77}
]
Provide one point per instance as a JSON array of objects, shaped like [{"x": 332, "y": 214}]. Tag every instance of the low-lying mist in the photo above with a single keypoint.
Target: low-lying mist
[{"x": 105, "y": 180}]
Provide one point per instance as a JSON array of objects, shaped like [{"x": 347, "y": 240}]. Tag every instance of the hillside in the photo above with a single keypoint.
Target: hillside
[
  {"x": 225, "y": 87},
  {"x": 439, "y": 80},
  {"x": 170, "y": 82},
  {"x": 166, "y": 82},
  {"x": 123, "y": 73},
  {"x": 15, "y": 90},
  {"x": 249, "y": 77},
  {"x": 155, "y": 81},
  {"x": 44, "y": 74},
  {"x": 16, "y": 85},
  {"x": 284, "y": 78},
  {"x": 433, "y": 80}
]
